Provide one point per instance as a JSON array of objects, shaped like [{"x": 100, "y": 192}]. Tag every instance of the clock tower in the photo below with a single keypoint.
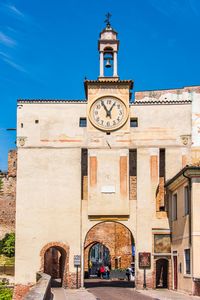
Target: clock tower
[
  {"x": 108, "y": 97},
  {"x": 108, "y": 115}
]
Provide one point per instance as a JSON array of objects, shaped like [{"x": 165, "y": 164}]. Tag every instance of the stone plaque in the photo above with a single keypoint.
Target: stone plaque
[{"x": 108, "y": 189}]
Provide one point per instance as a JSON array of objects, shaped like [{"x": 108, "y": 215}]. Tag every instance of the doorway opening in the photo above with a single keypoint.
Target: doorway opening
[
  {"x": 54, "y": 265},
  {"x": 98, "y": 255},
  {"x": 162, "y": 266},
  {"x": 109, "y": 245}
]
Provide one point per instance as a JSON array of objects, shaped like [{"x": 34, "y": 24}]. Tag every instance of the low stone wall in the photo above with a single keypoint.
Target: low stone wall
[
  {"x": 42, "y": 289},
  {"x": 20, "y": 291},
  {"x": 196, "y": 289}
]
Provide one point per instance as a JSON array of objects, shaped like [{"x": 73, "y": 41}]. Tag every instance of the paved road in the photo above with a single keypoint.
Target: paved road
[
  {"x": 105, "y": 290},
  {"x": 114, "y": 290}
]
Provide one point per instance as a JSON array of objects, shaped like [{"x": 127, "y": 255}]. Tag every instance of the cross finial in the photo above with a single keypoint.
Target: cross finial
[{"x": 107, "y": 20}]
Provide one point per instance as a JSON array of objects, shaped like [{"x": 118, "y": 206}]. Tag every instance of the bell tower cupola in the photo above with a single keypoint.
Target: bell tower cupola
[{"x": 108, "y": 46}]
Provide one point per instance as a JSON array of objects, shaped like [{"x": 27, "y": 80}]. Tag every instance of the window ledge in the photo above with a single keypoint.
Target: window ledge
[{"x": 187, "y": 275}]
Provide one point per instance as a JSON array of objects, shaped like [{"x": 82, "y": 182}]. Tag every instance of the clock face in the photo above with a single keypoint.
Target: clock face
[{"x": 108, "y": 113}]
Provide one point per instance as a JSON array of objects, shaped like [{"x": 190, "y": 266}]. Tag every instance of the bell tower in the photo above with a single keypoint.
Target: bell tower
[
  {"x": 108, "y": 46},
  {"x": 108, "y": 97}
]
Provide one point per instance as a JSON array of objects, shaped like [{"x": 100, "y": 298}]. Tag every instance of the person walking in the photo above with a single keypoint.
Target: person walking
[
  {"x": 107, "y": 270},
  {"x": 128, "y": 273},
  {"x": 102, "y": 271}
]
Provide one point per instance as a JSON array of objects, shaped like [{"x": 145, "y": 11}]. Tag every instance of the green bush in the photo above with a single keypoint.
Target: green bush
[
  {"x": 7, "y": 245},
  {"x": 1, "y": 184},
  {"x": 5, "y": 293}
]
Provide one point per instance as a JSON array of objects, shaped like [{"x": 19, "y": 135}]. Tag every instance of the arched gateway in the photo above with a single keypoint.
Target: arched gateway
[
  {"x": 55, "y": 262},
  {"x": 162, "y": 266},
  {"x": 109, "y": 244}
]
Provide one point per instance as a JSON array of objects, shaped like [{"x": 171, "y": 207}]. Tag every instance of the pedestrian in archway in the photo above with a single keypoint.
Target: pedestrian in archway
[
  {"x": 128, "y": 273},
  {"x": 102, "y": 271},
  {"x": 90, "y": 267},
  {"x": 107, "y": 270}
]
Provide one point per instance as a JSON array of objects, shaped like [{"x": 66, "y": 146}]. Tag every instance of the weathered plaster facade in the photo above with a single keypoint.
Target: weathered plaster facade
[
  {"x": 184, "y": 188},
  {"x": 50, "y": 142}
]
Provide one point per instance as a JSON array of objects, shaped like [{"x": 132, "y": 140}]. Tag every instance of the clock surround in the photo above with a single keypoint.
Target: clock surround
[{"x": 108, "y": 113}]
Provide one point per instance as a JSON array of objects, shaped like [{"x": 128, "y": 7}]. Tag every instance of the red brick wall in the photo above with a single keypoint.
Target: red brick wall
[{"x": 20, "y": 291}]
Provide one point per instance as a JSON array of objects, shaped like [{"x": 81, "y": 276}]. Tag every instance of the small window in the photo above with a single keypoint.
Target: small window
[
  {"x": 180, "y": 267},
  {"x": 187, "y": 261},
  {"x": 134, "y": 122},
  {"x": 83, "y": 122},
  {"x": 186, "y": 200},
  {"x": 36, "y": 121},
  {"x": 22, "y": 125},
  {"x": 174, "y": 207}
]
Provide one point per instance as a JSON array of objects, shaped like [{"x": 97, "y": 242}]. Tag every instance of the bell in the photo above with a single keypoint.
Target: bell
[{"x": 108, "y": 64}]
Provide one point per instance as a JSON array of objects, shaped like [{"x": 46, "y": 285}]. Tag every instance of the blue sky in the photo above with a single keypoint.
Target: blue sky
[{"x": 47, "y": 47}]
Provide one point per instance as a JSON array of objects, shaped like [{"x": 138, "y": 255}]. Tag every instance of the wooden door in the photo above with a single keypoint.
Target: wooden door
[{"x": 175, "y": 273}]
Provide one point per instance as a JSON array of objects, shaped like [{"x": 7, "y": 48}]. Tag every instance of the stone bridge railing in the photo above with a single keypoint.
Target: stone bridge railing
[{"x": 42, "y": 289}]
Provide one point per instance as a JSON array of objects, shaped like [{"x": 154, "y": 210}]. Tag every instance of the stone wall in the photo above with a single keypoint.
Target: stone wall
[
  {"x": 8, "y": 196},
  {"x": 20, "y": 291},
  {"x": 196, "y": 291},
  {"x": 12, "y": 163}
]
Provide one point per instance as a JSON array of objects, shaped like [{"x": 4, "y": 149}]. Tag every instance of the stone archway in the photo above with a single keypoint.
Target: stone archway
[
  {"x": 55, "y": 262},
  {"x": 98, "y": 255},
  {"x": 117, "y": 238}
]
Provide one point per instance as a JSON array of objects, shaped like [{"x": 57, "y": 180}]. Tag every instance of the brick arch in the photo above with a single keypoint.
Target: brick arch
[
  {"x": 115, "y": 236},
  {"x": 94, "y": 243},
  {"x": 109, "y": 221},
  {"x": 61, "y": 247},
  {"x": 87, "y": 249}
]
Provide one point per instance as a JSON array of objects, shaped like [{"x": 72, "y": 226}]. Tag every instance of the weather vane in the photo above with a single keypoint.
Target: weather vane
[{"x": 107, "y": 20}]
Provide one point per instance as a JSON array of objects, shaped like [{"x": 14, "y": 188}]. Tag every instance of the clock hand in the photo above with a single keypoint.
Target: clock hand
[
  {"x": 109, "y": 112},
  {"x": 112, "y": 107},
  {"x": 103, "y": 104}
]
